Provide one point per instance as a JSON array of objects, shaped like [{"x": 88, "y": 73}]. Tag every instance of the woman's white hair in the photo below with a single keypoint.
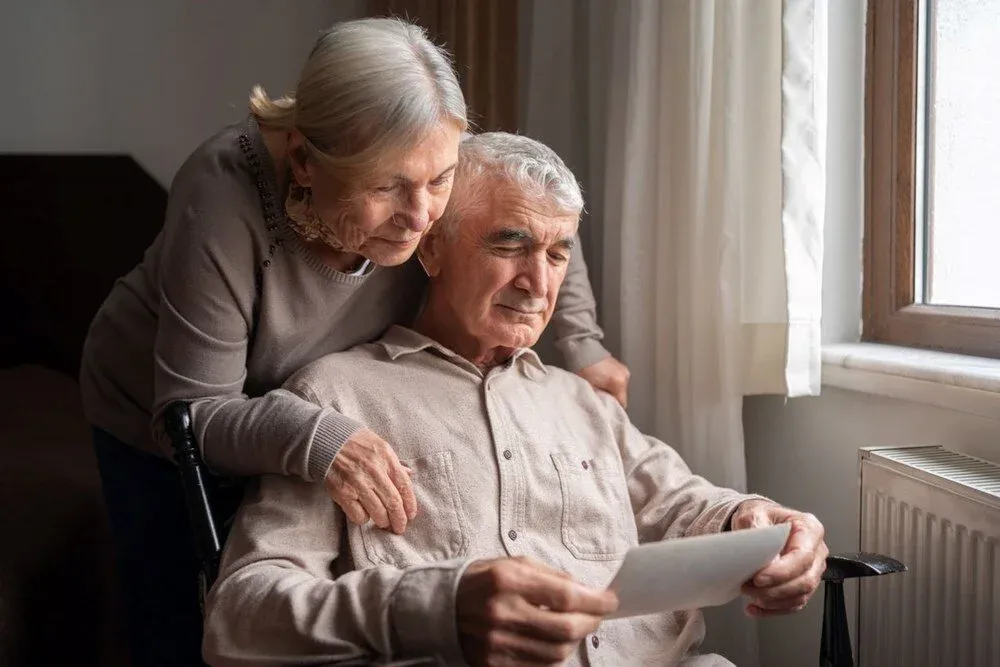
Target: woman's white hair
[
  {"x": 497, "y": 159},
  {"x": 371, "y": 88}
]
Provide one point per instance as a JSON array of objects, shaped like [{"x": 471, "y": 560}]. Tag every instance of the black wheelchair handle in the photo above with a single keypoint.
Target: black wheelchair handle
[{"x": 177, "y": 420}]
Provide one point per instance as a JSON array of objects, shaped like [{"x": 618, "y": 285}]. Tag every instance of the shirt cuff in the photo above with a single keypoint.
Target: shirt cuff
[
  {"x": 729, "y": 519},
  {"x": 581, "y": 352},
  {"x": 716, "y": 518},
  {"x": 423, "y": 612},
  {"x": 332, "y": 431}
]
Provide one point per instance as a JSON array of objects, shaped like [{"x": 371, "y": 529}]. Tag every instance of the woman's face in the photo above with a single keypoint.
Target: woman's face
[{"x": 385, "y": 220}]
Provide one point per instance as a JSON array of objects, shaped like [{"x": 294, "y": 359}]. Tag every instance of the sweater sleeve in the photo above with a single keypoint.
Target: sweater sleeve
[
  {"x": 207, "y": 295},
  {"x": 574, "y": 322},
  {"x": 279, "y": 598}
]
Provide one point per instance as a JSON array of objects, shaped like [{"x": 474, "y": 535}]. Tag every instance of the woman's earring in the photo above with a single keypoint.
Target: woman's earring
[
  {"x": 304, "y": 220},
  {"x": 298, "y": 204}
]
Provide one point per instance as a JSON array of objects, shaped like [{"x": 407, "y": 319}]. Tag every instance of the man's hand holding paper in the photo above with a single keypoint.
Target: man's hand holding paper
[
  {"x": 786, "y": 584},
  {"x": 772, "y": 554}
]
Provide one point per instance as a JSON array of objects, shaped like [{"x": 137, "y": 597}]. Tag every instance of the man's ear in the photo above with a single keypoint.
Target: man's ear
[
  {"x": 298, "y": 158},
  {"x": 429, "y": 251}
]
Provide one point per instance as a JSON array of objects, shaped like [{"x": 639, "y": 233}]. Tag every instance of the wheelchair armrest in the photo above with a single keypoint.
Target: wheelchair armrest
[
  {"x": 835, "y": 650},
  {"x": 850, "y": 566}
]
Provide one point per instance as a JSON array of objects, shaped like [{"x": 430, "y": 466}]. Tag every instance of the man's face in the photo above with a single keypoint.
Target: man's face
[{"x": 500, "y": 274}]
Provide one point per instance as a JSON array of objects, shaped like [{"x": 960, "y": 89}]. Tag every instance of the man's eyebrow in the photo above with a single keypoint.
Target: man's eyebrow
[
  {"x": 566, "y": 243},
  {"x": 509, "y": 235}
]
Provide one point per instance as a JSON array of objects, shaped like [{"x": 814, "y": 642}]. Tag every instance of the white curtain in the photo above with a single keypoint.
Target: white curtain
[
  {"x": 713, "y": 213},
  {"x": 699, "y": 130}
]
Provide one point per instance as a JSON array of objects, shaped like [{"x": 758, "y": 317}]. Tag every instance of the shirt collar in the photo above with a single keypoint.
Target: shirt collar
[{"x": 400, "y": 341}]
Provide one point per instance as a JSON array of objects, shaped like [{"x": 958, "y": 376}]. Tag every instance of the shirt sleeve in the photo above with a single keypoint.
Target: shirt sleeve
[
  {"x": 574, "y": 322},
  {"x": 207, "y": 295},
  {"x": 279, "y": 598},
  {"x": 668, "y": 500}
]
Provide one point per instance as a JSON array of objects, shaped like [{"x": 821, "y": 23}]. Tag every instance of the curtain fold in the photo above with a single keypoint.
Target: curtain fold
[
  {"x": 804, "y": 86},
  {"x": 483, "y": 36}
]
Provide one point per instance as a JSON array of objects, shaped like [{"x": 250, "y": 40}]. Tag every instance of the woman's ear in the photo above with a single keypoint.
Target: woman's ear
[
  {"x": 429, "y": 252},
  {"x": 298, "y": 158}
]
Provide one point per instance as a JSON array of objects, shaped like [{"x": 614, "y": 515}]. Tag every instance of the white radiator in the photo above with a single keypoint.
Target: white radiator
[{"x": 938, "y": 512}]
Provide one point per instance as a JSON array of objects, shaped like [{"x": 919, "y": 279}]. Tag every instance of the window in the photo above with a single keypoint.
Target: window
[{"x": 932, "y": 175}]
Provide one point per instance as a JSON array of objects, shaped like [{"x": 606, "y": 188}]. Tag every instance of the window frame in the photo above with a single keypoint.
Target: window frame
[{"x": 891, "y": 313}]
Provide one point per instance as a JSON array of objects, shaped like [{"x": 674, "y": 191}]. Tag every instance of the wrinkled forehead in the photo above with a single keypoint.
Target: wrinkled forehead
[{"x": 511, "y": 206}]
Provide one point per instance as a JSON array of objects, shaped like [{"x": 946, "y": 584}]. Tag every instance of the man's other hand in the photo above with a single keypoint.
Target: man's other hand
[
  {"x": 515, "y": 611},
  {"x": 786, "y": 584},
  {"x": 608, "y": 375}
]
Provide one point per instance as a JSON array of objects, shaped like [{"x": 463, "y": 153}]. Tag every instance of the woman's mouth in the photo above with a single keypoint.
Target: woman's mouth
[{"x": 402, "y": 243}]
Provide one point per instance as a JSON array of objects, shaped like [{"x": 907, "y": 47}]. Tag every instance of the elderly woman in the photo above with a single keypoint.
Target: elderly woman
[{"x": 287, "y": 237}]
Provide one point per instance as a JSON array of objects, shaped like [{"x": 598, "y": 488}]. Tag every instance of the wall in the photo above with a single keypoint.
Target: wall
[
  {"x": 153, "y": 79},
  {"x": 803, "y": 452}
]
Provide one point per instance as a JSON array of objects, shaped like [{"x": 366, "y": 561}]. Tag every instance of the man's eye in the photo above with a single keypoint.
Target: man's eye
[
  {"x": 507, "y": 250},
  {"x": 441, "y": 180},
  {"x": 386, "y": 188},
  {"x": 558, "y": 257}
]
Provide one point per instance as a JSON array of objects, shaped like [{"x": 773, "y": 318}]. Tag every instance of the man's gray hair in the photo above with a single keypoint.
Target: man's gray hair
[{"x": 495, "y": 159}]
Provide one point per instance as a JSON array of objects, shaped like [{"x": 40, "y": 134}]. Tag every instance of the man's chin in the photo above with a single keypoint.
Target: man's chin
[{"x": 517, "y": 335}]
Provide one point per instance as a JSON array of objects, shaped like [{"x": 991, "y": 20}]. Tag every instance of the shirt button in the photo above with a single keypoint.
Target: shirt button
[
  {"x": 586, "y": 465},
  {"x": 512, "y": 534},
  {"x": 507, "y": 454},
  {"x": 594, "y": 641}
]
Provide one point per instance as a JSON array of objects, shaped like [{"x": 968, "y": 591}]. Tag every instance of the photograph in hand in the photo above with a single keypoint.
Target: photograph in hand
[{"x": 693, "y": 572}]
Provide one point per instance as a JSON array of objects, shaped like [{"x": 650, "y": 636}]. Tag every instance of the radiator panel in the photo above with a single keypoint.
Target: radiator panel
[{"x": 939, "y": 513}]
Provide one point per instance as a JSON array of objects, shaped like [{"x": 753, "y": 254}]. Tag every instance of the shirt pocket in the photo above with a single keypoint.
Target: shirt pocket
[
  {"x": 439, "y": 531},
  {"x": 596, "y": 513}
]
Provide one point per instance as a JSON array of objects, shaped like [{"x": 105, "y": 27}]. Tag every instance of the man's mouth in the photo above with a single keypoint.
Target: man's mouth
[{"x": 520, "y": 311}]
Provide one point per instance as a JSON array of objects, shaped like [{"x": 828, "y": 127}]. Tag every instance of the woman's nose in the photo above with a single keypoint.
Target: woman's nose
[{"x": 417, "y": 216}]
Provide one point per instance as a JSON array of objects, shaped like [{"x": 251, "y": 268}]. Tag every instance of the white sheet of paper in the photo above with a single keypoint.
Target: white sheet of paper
[{"x": 693, "y": 572}]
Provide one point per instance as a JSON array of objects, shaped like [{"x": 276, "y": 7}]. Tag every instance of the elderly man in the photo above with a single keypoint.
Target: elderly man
[{"x": 531, "y": 486}]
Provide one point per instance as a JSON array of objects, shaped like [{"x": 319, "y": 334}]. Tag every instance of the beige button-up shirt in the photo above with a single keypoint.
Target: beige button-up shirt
[{"x": 524, "y": 460}]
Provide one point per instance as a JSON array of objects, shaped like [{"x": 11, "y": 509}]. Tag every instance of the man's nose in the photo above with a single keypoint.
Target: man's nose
[
  {"x": 534, "y": 278},
  {"x": 417, "y": 216}
]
